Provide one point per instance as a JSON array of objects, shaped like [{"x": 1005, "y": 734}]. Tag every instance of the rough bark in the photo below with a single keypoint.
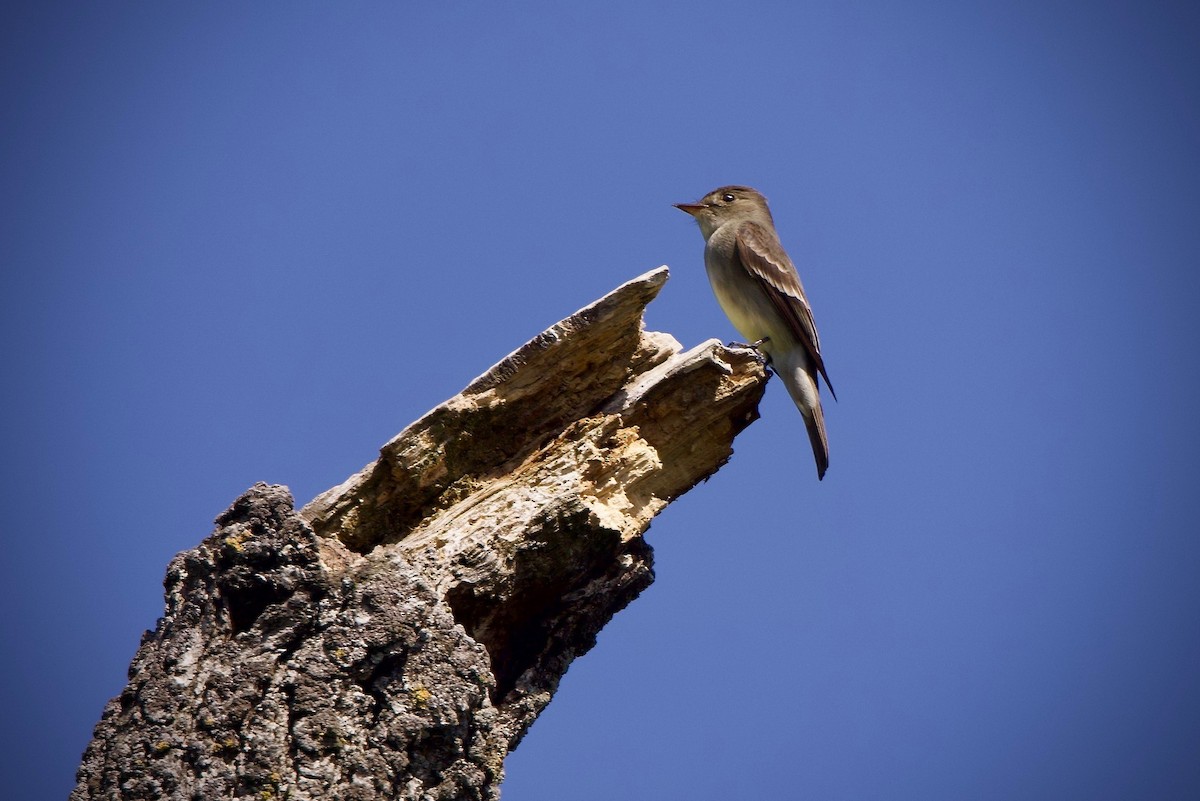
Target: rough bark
[{"x": 397, "y": 636}]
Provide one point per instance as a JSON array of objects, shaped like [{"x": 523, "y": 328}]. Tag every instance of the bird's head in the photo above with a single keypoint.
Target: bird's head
[{"x": 728, "y": 204}]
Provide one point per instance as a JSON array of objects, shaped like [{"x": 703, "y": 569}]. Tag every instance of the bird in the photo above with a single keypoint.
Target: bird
[{"x": 760, "y": 292}]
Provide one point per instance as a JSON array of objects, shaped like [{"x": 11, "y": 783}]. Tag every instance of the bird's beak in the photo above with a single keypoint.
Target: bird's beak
[{"x": 691, "y": 208}]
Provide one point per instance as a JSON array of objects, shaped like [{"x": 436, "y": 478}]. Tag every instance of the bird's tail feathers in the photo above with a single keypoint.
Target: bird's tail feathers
[
  {"x": 801, "y": 383},
  {"x": 815, "y": 423}
]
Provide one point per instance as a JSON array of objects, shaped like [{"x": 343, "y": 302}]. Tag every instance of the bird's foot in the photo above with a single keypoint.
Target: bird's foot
[
  {"x": 756, "y": 347},
  {"x": 752, "y": 345}
]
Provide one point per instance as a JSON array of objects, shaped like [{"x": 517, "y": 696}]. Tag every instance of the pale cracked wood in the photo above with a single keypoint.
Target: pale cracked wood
[
  {"x": 397, "y": 637},
  {"x": 576, "y": 372}
]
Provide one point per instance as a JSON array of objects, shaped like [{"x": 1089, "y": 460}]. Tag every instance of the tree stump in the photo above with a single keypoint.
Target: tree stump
[{"x": 396, "y": 637}]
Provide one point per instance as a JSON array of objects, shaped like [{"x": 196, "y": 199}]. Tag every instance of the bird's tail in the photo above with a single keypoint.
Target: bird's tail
[
  {"x": 801, "y": 382},
  {"x": 815, "y": 423}
]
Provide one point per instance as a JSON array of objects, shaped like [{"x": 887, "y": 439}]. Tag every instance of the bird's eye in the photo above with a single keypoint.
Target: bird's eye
[{"x": 728, "y": 197}]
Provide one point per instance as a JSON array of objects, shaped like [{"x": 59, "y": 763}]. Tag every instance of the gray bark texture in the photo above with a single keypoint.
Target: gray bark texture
[{"x": 397, "y": 636}]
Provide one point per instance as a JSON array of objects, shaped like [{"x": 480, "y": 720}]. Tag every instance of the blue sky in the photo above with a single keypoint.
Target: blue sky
[{"x": 251, "y": 241}]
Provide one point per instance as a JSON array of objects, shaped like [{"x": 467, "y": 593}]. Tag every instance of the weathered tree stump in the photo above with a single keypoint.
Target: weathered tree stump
[{"x": 397, "y": 636}]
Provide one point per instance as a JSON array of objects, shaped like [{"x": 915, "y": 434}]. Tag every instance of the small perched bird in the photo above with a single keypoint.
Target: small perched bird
[{"x": 758, "y": 288}]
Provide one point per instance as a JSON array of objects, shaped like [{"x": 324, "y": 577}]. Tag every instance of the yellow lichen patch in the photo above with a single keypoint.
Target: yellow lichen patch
[
  {"x": 420, "y": 695},
  {"x": 235, "y": 541},
  {"x": 229, "y": 743}
]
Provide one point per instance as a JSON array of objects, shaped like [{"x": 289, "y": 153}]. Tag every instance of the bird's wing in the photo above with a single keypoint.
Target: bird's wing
[{"x": 766, "y": 260}]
